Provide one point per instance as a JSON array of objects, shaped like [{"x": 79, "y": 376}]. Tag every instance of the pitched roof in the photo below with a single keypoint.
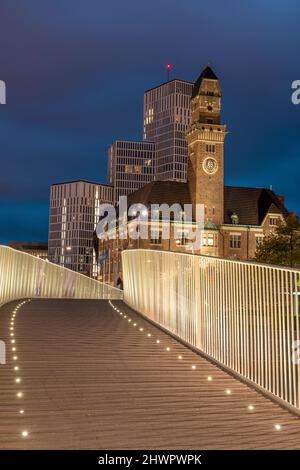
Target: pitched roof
[
  {"x": 206, "y": 73},
  {"x": 250, "y": 204},
  {"x": 159, "y": 192}
]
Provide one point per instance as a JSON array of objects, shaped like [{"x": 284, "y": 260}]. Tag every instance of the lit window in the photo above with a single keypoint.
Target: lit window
[
  {"x": 259, "y": 239},
  {"x": 156, "y": 237},
  {"x": 138, "y": 169},
  {"x": 181, "y": 238},
  {"x": 273, "y": 220},
  {"x": 208, "y": 239},
  {"x": 235, "y": 241},
  {"x": 128, "y": 168}
]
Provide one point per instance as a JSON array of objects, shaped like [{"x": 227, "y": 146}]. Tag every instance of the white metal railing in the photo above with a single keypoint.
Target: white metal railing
[
  {"x": 23, "y": 275},
  {"x": 244, "y": 315}
]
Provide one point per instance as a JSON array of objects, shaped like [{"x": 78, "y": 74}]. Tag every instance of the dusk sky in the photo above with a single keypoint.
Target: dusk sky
[{"x": 76, "y": 70}]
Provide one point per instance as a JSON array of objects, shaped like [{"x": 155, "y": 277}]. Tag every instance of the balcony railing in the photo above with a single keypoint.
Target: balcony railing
[
  {"x": 244, "y": 315},
  {"x": 23, "y": 275}
]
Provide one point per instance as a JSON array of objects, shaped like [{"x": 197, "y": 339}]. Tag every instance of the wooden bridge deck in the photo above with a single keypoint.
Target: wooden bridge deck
[{"x": 90, "y": 379}]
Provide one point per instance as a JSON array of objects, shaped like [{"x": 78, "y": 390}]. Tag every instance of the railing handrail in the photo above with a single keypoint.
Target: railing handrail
[
  {"x": 70, "y": 283},
  {"x": 244, "y": 315},
  {"x": 227, "y": 260}
]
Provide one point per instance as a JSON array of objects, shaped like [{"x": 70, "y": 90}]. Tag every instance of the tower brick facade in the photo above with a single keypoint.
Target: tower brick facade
[{"x": 206, "y": 148}]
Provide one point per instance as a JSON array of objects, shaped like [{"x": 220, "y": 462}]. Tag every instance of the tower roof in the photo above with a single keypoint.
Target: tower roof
[{"x": 206, "y": 73}]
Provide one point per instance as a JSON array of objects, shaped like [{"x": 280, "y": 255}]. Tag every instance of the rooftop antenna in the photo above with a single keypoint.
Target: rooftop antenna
[{"x": 168, "y": 68}]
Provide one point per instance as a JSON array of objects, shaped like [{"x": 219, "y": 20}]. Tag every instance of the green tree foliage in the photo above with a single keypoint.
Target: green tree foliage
[{"x": 282, "y": 247}]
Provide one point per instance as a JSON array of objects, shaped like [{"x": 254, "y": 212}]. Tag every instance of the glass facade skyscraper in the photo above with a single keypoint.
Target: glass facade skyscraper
[
  {"x": 167, "y": 116},
  {"x": 130, "y": 166},
  {"x": 74, "y": 214}
]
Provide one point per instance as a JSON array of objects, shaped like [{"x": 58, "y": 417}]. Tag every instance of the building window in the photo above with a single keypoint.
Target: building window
[
  {"x": 128, "y": 168},
  {"x": 273, "y": 220},
  {"x": 208, "y": 239},
  {"x": 156, "y": 237},
  {"x": 138, "y": 169},
  {"x": 258, "y": 240},
  {"x": 235, "y": 241},
  {"x": 181, "y": 238},
  {"x": 210, "y": 148}
]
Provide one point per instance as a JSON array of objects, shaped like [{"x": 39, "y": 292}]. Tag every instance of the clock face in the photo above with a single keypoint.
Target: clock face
[
  {"x": 210, "y": 165},
  {"x": 209, "y": 107}
]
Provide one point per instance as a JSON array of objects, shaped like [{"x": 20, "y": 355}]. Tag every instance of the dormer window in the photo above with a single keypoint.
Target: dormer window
[
  {"x": 273, "y": 221},
  {"x": 234, "y": 219}
]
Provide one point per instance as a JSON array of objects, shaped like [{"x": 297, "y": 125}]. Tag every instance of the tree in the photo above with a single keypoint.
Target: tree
[{"x": 282, "y": 247}]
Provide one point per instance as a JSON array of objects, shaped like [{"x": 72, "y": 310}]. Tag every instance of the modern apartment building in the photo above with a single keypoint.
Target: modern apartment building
[
  {"x": 74, "y": 214},
  {"x": 167, "y": 116},
  {"x": 130, "y": 166}
]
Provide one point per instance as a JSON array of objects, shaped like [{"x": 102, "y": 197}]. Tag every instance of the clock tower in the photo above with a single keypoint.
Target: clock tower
[{"x": 205, "y": 140}]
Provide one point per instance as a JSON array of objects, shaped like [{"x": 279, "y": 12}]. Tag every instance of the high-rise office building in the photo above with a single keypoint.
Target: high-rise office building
[
  {"x": 130, "y": 166},
  {"x": 74, "y": 214},
  {"x": 167, "y": 116}
]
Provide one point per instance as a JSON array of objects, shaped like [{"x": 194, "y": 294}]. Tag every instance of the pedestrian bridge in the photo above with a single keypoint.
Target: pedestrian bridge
[{"x": 94, "y": 373}]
